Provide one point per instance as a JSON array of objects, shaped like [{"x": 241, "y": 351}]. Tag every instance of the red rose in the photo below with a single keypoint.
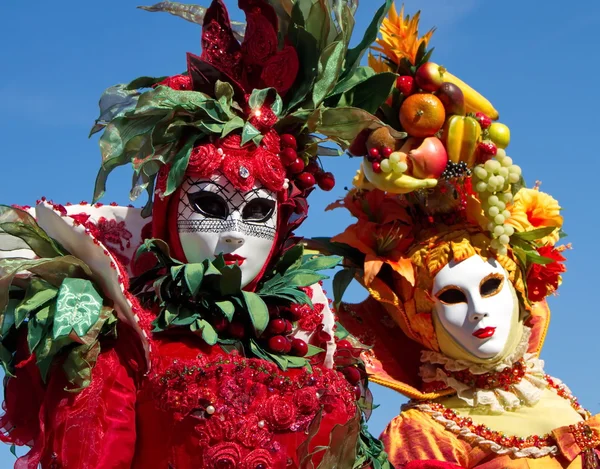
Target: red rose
[
  {"x": 544, "y": 279},
  {"x": 259, "y": 458},
  {"x": 306, "y": 399},
  {"x": 204, "y": 160},
  {"x": 279, "y": 412},
  {"x": 223, "y": 456},
  {"x": 263, "y": 119},
  {"x": 281, "y": 70},
  {"x": 260, "y": 40},
  {"x": 270, "y": 170}
]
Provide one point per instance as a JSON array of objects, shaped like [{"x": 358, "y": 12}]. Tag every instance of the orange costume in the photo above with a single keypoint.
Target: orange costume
[{"x": 458, "y": 257}]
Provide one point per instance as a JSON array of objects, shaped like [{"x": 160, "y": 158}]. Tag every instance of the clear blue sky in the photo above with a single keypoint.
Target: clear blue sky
[{"x": 536, "y": 61}]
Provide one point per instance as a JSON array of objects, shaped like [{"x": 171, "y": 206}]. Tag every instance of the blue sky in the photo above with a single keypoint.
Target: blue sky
[{"x": 535, "y": 61}]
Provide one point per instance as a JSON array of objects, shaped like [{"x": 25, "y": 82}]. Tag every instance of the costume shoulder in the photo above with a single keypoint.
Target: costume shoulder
[{"x": 64, "y": 283}]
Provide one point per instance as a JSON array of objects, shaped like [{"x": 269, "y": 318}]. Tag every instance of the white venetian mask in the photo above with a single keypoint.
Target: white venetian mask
[
  {"x": 475, "y": 304},
  {"x": 216, "y": 218}
]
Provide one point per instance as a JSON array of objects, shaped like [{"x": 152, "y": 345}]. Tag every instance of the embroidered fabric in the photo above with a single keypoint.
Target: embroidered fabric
[{"x": 527, "y": 391}]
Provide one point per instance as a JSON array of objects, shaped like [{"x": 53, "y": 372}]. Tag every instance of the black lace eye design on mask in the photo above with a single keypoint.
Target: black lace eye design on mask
[
  {"x": 451, "y": 295},
  {"x": 258, "y": 210},
  {"x": 208, "y": 204}
]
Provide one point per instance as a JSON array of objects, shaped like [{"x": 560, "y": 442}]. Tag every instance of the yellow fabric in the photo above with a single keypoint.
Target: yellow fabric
[
  {"x": 552, "y": 411},
  {"x": 414, "y": 435},
  {"x": 451, "y": 348}
]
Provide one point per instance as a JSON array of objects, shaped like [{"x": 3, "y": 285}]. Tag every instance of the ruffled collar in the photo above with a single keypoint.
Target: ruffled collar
[{"x": 517, "y": 380}]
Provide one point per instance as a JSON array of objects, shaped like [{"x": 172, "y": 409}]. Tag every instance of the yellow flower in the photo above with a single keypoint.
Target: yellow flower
[
  {"x": 400, "y": 39},
  {"x": 532, "y": 209}
]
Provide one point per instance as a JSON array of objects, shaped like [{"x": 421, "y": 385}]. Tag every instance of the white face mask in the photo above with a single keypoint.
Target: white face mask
[
  {"x": 475, "y": 305},
  {"x": 216, "y": 218}
]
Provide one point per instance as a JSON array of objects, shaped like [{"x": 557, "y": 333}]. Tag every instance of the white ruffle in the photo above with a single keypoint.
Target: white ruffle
[
  {"x": 527, "y": 392},
  {"x": 477, "y": 440}
]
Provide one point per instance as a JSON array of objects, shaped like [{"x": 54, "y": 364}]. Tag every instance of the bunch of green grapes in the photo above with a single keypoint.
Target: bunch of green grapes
[
  {"x": 492, "y": 181},
  {"x": 393, "y": 164}
]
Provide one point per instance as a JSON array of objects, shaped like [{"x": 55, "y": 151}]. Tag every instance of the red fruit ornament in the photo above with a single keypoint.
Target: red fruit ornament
[
  {"x": 288, "y": 156},
  {"x": 221, "y": 324},
  {"x": 344, "y": 345},
  {"x": 352, "y": 374},
  {"x": 297, "y": 166},
  {"x": 296, "y": 312},
  {"x": 278, "y": 344},
  {"x": 376, "y": 167},
  {"x": 299, "y": 347},
  {"x": 326, "y": 181},
  {"x": 277, "y": 326},
  {"x": 305, "y": 180},
  {"x": 312, "y": 167},
  {"x": 236, "y": 330},
  {"x": 487, "y": 148},
  {"x": 406, "y": 85},
  {"x": 386, "y": 152},
  {"x": 288, "y": 141},
  {"x": 357, "y": 392},
  {"x": 374, "y": 154},
  {"x": 484, "y": 120}
]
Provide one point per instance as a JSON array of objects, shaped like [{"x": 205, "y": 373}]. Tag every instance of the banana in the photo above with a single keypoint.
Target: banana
[
  {"x": 474, "y": 101},
  {"x": 395, "y": 183}
]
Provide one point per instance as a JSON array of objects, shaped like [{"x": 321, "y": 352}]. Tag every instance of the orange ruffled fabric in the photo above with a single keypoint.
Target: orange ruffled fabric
[{"x": 414, "y": 436}]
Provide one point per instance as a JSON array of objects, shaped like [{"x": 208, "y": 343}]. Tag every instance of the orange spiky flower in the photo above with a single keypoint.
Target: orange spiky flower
[{"x": 400, "y": 40}]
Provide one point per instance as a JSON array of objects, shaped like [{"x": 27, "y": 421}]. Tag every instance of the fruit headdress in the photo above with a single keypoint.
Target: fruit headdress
[
  {"x": 259, "y": 109},
  {"x": 445, "y": 192}
]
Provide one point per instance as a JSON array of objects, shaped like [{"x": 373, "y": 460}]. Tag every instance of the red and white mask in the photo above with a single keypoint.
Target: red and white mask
[{"x": 214, "y": 217}]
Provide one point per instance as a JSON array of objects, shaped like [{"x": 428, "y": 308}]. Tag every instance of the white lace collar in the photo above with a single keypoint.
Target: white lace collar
[{"x": 527, "y": 392}]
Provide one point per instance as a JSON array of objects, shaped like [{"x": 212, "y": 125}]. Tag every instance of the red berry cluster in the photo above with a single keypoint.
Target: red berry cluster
[
  {"x": 376, "y": 155},
  {"x": 280, "y": 327},
  {"x": 346, "y": 354},
  {"x": 304, "y": 175}
]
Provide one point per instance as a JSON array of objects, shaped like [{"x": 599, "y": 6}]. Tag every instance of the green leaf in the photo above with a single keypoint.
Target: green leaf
[
  {"x": 517, "y": 186},
  {"x": 231, "y": 280},
  {"x": 20, "y": 224},
  {"x": 534, "y": 235},
  {"x": 354, "y": 56},
  {"x": 321, "y": 263},
  {"x": 291, "y": 259},
  {"x": 224, "y": 90},
  {"x": 36, "y": 328},
  {"x": 144, "y": 82},
  {"x": 341, "y": 281},
  {"x": 206, "y": 331},
  {"x": 372, "y": 93},
  {"x": 78, "y": 307},
  {"x": 359, "y": 76},
  {"x": 249, "y": 132},
  {"x": 312, "y": 351},
  {"x": 330, "y": 63},
  {"x": 303, "y": 278},
  {"x": 308, "y": 53},
  {"x": 39, "y": 293},
  {"x": 227, "y": 307},
  {"x": 535, "y": 258},
  {"x": 234, "y": 124},
  {"x": 180, "y": 164},
  {"x": 194, "y": 274},
  {"x": 340, "y": 331},
  {"x": 258, "y": 312},
  {"x": 296, "y": 362},
  {"x": 6, "y": 360}
]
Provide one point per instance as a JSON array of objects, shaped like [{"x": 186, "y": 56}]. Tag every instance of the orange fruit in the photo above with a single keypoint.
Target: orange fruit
[{"x": 422, "y": 115}]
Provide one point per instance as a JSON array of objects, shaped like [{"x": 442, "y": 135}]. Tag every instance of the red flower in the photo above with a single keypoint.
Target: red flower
[
  {"x": 542, "y": 280},
  {"x": 223, "y": 456},
  {"x": 204, "y": 160},
  {"x": 281, "y": 70},
  {"x": 306, "y": 399},
  {"x": 279, "y": 412},
  {"x": 259, "y": 458}
]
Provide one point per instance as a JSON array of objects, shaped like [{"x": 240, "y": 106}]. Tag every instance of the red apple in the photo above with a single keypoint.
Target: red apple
[
  {"x": 429, "y": 76},
  {"x": 430, "y": 159},
  {"x": 452, "y": 98}
]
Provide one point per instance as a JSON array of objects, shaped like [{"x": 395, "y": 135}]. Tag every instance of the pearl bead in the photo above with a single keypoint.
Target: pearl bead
[
  {"x": 210, "y": 410},
  {"x": 261, "y": 424}
]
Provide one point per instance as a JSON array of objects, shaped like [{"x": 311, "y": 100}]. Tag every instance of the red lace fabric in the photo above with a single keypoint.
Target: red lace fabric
[{"x": 218, "y": 410}]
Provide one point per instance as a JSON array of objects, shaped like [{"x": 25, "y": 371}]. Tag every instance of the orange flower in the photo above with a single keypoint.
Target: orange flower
[
  {"x": 400, "y": 39},
  {"x": 373, "y": 206},
  {"x": 381, "y": 244},
  {"x": 532, "y": 209}
]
